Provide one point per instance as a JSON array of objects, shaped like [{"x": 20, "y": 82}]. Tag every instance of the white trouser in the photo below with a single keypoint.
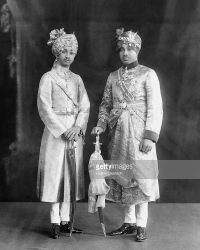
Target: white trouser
[
  {"x": 136, "y": 214},
  {"x": 59, "y": 212}
]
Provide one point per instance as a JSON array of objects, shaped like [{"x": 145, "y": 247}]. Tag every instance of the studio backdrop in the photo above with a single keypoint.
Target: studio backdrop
[{"x": 170, "y": 45}]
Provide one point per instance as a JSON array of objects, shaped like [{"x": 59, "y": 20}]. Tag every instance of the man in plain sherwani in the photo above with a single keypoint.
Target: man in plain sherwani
[{"x": 63, "y": 106}]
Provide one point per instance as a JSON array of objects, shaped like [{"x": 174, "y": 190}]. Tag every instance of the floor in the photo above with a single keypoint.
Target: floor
[{"x": 170, "y": 226}]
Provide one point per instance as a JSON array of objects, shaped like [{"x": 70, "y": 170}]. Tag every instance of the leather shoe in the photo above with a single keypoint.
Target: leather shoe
[
  {"x": 141, "y": 234},
  {"x": 55, "y": 231},
  {"x": 126, "y": 228},
  {"x": 66, "y": 228}
]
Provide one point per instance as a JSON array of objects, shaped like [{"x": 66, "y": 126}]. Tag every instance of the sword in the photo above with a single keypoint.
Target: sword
[
  {"x": 100, "y": 209},
  {"x": 101, "y": 218},
  {"x": 73, "y": 185}
]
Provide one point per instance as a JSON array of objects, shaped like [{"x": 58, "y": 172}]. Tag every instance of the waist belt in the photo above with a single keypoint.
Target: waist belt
[
  {"x": 65, "y": 111},
  {"x": 125, "y": 105}
]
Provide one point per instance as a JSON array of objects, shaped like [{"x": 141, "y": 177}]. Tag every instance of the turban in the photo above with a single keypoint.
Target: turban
[
  {"x": 129, "y": 37},
  {"x": 59, "y": 40}
]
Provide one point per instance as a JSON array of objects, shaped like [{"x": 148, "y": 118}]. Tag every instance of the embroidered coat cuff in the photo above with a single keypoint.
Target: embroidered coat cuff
[{"x": 151, "y": 135}]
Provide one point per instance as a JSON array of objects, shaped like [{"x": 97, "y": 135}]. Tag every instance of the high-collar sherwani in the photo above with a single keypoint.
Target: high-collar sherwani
[{"x": 59, "y": 113}]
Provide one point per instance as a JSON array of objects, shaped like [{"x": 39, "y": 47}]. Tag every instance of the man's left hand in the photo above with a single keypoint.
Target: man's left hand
[{"x": 146, "y": 145}]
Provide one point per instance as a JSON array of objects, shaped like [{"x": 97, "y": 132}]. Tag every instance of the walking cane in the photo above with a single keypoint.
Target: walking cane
[{"x": 73, "y": 184}]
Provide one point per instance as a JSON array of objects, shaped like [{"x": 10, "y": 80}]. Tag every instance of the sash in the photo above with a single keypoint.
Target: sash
[
  {"x": 65, "y": 90},
  {"x": 113, "y": 118},
  {"x": 123, "y": 86}
]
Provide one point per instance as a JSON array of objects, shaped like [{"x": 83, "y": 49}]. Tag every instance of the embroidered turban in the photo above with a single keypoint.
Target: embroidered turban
[
  {"x": 59, "y": 40},
  {"x": 129, "y": 37}
]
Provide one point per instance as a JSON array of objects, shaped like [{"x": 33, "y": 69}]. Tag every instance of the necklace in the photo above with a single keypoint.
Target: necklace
[{"x": 66, "y": 76}]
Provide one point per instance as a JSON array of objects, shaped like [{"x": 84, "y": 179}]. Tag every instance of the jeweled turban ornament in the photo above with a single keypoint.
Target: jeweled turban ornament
[
  {"x": 59, "y": 40},
  {"x": 129, "y": 37}
]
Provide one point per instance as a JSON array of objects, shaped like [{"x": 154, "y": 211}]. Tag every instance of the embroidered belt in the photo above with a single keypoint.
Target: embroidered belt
[
  {"x": 65, "y": 111},
  {"x": 125, "y": 105}
]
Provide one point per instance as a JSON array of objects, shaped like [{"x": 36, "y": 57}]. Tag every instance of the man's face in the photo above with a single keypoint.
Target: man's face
[
  {"x": 127, "y": 54},
  {"x": 66, "y": 58}
]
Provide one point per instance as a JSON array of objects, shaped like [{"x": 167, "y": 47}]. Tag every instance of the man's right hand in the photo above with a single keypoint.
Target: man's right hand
[{"x": 96, "y": 130}]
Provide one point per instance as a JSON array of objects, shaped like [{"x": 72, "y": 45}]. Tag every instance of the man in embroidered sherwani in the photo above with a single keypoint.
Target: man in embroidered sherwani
[
  {"x": 132, "y": 109},
  {"x": 63, "y": 106}
]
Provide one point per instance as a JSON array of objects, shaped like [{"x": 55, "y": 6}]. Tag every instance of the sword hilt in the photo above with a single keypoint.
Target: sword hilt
[{"x": 97, "y": 143}]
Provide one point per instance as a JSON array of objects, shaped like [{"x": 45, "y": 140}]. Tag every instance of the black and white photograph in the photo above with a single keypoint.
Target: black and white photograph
[{"x": 100, "y": 124}]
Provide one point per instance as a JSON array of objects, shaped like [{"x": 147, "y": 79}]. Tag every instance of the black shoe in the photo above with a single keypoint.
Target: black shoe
[
  {"x": 55, "y": 231},
  {"x": 141, "y": 234},
  {"x": 66, "y": 228},
  {"x": 126, "y": 228}
]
